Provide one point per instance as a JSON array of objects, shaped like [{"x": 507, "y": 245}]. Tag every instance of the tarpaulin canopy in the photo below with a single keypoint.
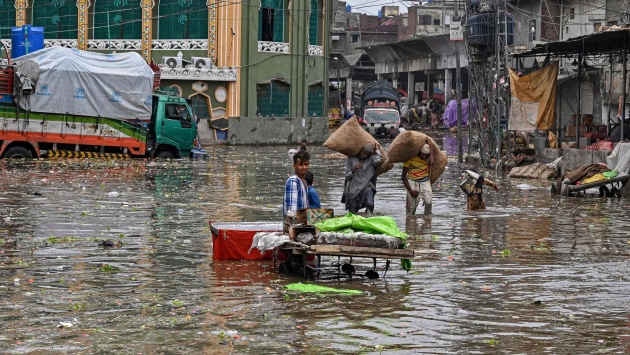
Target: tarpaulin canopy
[
  {"x": 533, "y": 102},
  {"x": 70, "y": 81},
  {"x": 450, "y": 114}
]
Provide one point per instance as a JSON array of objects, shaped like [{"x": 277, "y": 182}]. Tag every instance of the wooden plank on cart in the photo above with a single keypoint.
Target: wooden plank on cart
[{"x": 361, "y": 251}]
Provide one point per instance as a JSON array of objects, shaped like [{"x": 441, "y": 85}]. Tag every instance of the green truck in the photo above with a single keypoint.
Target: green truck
[{"x": 104, "y": 108}]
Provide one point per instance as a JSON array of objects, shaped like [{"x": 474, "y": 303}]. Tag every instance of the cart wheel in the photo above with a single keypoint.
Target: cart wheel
[
  {"x": 371, "y": 274},
  {"x": 615, "y": 192},
  {"x": 311, "y": 272},
  {"x": 348, "y": 269},
  {"x": 284, "y": 268}
]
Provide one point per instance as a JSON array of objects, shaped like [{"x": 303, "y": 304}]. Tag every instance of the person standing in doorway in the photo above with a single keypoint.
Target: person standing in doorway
[{"x": 416, "y": 178}]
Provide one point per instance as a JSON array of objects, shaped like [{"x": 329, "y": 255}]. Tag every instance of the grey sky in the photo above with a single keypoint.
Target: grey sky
[{"x": 372, "y": 6}]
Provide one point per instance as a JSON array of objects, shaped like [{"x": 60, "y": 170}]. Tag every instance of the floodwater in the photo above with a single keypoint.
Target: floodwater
[{"x": 116, "y": 257}]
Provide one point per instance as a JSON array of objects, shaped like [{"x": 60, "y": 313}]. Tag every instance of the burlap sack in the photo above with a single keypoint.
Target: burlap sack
[
  {"x": 407, "y": 145},
  {"x": 350, "y": 138},
  {"x": 386, "y": 166}
]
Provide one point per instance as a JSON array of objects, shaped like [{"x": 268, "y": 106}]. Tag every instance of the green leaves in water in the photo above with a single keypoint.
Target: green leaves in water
[{"x": 108, "y": 268}]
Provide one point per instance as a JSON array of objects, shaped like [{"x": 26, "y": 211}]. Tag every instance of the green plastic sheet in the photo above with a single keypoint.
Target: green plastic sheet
[
  {"x": 353, "y": 223},
  {"x": 373, "y": 225},
  {"x": 610, "y": 174},
  {"x": 300, "y": 287}
]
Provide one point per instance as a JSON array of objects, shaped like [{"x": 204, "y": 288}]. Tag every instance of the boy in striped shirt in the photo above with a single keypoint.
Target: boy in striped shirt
[
  {"x": 416, "y": 177},
  {"x": 295, "y": 190}
]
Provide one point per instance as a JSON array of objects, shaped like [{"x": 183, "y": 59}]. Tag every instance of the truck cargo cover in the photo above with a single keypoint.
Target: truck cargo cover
[{"x": 70, "y": 81}]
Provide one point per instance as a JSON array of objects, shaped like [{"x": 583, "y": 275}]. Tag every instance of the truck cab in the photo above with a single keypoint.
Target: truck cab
[
  {"x": 172, "y": 129},
  {"x": 379, "y": 112}
]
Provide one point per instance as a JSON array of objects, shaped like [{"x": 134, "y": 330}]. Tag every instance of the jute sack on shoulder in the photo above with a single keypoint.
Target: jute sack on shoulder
[
  {"x": 386, "y": 165},
  {"x": 350, "y": 138},
  {"x": 407, "y": 145}
]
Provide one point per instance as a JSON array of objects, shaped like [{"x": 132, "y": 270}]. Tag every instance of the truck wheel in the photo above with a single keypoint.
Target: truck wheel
[
  {"x": 165, "y": 154},
  {"x": 18, "y": 153}
]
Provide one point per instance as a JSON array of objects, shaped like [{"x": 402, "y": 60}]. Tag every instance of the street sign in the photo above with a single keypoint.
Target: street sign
[{"x": 457, "y": 34}]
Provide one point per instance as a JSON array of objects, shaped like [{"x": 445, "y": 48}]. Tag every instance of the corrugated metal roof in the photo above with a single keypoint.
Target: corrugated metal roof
[{"x": 597, "y": 43}]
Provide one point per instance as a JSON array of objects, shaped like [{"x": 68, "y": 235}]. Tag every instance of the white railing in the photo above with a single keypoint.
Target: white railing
[
  {"x": 158, "y": 44},
  {"x": 125, "y": 44},
  {"x": 315, "y": 50},
  {"x": 132, "y": 44},
  {"x": 273, "y": 47},
  {"x": 191, "y": 72},
  {"x": 68, "y": 43}
]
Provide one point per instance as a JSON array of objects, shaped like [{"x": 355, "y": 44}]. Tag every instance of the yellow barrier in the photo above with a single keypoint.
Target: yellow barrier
[{"x": 71, "y": 154}]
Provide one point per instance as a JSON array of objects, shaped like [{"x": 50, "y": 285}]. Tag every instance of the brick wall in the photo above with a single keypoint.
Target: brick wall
[
  {"x": 409, "y": 31},
  {"x": 379, "y": 37},
  {"x": 550, "y": 21}
]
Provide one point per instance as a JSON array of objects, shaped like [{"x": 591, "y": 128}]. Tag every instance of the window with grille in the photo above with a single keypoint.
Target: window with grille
[
  {"x": 316, "y": 100},
  {"x": 182, "y": 19},
  {"x": 117, "y": 19},
  {"x": 273, "y": 99},
  {"x": 314, "y": 36},
  {"x": 532, "y": 30},
  {"x": 200, "y": 106},
  {"x": 7, "y": 18},
  {"x": 271, "y": 21},
  {"x": 58, "y": 17}
]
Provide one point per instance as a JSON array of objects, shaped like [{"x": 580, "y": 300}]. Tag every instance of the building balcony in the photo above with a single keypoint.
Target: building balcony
[{"x": 273, "y": 47}]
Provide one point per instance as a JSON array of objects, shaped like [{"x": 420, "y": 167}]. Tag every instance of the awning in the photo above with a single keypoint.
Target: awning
[{"x": 611, "y": 41}]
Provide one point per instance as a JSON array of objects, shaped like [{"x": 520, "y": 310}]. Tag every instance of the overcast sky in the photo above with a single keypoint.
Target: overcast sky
[{"x": 372, "y": 6}]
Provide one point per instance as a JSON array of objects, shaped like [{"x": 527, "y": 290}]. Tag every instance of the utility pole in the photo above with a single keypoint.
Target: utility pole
[{"x": 457, "y": 35}]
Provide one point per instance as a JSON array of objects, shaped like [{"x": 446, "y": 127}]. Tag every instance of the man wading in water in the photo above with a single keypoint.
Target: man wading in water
[
  {"x": 472, "y": 185},
  {"x": 360, "y": 185},
  {"x": 416, "y": 177}
]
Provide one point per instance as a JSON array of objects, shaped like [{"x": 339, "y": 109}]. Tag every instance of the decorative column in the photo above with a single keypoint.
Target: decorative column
[
  {"x": 20, "y": 12},
  {"x": 212, "y": 30},
  {"x": 147, "y": 12},
  {"x": 83, "y": 6},
  {"x": 229, "y": 54}
]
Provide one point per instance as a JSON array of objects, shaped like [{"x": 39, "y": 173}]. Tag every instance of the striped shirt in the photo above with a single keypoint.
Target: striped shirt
[
  {"x": 418, "y": 169},
  {"x": 295, "y": 196}
]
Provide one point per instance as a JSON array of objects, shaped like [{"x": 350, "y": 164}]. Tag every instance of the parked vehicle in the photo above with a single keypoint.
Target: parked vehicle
[
  {"x": 377, "y": 103},
  {"x": 66, "y": 102}
]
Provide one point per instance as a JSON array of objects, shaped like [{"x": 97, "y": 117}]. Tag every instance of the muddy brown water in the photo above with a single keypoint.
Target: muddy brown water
[{"x": 532, "y": 274}]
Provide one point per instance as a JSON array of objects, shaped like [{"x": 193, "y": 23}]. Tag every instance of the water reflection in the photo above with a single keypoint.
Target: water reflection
[{"x": 534, "y": 272}]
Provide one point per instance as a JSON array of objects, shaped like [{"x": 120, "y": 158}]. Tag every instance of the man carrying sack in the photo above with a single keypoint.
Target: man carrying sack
[{"x": 415, "y": 175}]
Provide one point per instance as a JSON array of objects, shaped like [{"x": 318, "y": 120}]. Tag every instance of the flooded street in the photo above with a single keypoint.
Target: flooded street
[{"x": 116, "y": 257}]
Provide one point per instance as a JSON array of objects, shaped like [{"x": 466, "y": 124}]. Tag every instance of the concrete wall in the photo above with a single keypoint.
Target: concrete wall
[
  {"x": 277, "y": 130},
  {"x": 574, "y": 158},
  {"x": 527, "y": 9},
  {"x": 585, "y": 15}
]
